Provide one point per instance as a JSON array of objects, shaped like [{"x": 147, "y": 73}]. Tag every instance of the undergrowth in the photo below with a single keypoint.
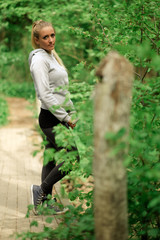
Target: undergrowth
[
  {"x": 17, "y": 89},
  {"x": 3, "y": 112}
]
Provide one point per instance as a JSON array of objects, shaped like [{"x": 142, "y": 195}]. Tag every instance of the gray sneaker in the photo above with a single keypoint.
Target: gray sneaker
[
  {"x": 36, "y": 197},
  {"x": 54, "y": 208},
  {"x": 58, "y": 211}
]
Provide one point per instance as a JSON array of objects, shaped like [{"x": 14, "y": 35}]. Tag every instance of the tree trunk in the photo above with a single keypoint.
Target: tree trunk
[{"x": 111, "y": 120}]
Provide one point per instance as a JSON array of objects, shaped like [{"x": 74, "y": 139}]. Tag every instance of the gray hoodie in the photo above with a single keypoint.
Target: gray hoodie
[{"x": 51, "y": 83}]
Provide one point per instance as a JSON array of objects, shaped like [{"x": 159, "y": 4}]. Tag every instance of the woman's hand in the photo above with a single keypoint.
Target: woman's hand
[{"x": 72, "y": 124}]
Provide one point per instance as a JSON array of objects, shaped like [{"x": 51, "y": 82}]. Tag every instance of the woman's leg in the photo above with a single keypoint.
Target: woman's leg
[
  {"x": 47, "y": 121},
  {"x": 47, "y": 168},
  {"x": 54, "y": 174},
  {"x": 51, "y": 173}
]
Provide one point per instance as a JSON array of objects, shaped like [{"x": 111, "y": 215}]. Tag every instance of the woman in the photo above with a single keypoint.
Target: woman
[{"x": 51, "y": 82}]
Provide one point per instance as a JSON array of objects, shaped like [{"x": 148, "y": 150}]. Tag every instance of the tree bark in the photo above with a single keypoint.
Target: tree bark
[{"x": 112, "y": 110}]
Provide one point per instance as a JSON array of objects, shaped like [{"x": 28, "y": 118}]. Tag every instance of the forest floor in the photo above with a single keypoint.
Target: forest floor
[{"x": 18, "y": 170}]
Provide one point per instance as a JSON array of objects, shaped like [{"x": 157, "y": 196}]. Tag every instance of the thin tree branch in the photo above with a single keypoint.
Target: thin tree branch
[
  {"x": 138, "y": 74},
  {"x": 144, "y": 75},
  {"x": 98, "y": 22},
  {"x": 153, "y": 118},
  {"x": 153, "y": 32},
  {"x": 74, "y": 57},
  {"x": 155, "y": 26},
  {"x": 150, "y": 39},
  {"x": 104, "y": 34}
]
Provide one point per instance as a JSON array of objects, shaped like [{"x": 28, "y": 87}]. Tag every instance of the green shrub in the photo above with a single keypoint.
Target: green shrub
[
  {"x": 17, "y": 89},
  {"x": 144, "y": 164},
  {"x": 86, "y": 31},
  {"x": 3, "y": 111}
]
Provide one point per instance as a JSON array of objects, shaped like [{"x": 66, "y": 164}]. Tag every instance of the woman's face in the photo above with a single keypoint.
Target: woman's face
[{"x": 46, "y": 39}]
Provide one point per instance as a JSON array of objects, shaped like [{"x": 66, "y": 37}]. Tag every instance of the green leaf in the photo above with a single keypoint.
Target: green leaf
[
  {"x": 34, "y": 223},
  {"x": 49, "y": 219},
  {"x": 154, "y": 202}
]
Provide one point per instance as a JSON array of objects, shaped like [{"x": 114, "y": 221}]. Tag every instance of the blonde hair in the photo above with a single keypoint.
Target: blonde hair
[{"x": 36, "y": 27}]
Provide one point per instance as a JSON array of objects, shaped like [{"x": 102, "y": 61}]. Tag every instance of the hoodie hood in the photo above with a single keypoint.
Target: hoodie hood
[{"x": 35, "y": 52}]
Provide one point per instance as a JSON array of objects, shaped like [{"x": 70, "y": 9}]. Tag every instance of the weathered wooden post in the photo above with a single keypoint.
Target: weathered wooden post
[{"x": 111, "y": 120}]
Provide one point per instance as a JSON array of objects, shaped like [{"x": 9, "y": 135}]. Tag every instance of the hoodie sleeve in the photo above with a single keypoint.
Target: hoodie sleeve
[{"x": 39, "y": 70}]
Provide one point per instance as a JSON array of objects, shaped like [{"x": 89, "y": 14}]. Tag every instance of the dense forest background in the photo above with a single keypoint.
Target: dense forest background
[{"x": 85, "y": 32}]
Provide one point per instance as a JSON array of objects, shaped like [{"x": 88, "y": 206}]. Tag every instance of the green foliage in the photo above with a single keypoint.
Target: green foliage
[
  {"x": 144, "y": 165},
  {"x": 75, "y": 225},
  {"x": 82, "y": 42},
  {"x": 3, "y": 111},
  {"x": 78, "y": 226},
  {"x": 86, "y": 31},
  {"x": 17, "y": 89}
]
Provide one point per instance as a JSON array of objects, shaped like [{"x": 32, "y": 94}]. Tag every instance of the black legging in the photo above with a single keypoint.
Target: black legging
[{"x": 50, "y": 172}]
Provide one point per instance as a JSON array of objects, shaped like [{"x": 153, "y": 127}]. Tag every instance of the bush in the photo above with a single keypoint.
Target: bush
[
  {"x": 4, "y": 111},
  {"x": 17, "y": 89}
]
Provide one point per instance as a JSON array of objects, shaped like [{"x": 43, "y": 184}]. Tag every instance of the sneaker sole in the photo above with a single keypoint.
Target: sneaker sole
[
  {"x": 61, "y": 212},
  {"x": 32, "y": 201}
]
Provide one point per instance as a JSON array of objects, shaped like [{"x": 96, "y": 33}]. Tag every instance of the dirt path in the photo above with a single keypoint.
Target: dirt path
[
  {"x": 18, "y": 170},
  {"x": 20, "y": 116}
]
